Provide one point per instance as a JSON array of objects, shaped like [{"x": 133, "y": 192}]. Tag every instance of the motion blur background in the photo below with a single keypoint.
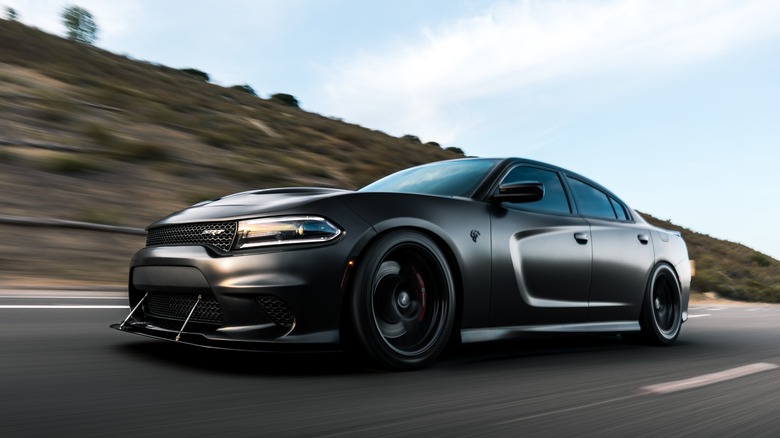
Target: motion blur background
[{"x": 672, "y": 105}]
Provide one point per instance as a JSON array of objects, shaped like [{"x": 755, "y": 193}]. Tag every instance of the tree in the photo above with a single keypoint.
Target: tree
[
  {"x": 80, "y": 24},
  {"x": 11, "y": 14}
]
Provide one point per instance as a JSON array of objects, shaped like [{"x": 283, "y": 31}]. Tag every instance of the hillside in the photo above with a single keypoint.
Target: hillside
[
  {"x": 87, "y": 135},
  {"x": 730, "y": 269},
  {"x": 91, "y": 136}
]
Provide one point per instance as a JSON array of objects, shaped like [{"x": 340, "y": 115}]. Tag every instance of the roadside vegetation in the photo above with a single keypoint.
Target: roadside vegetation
[{"x": 730, "y": 269}]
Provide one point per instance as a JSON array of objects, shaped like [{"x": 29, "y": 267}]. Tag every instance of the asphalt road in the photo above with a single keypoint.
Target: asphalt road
[{"x": 63, "y": 372}]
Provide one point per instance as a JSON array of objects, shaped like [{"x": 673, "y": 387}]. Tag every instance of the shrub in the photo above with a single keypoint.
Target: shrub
[
  {"x": 761, "y": 260},
  {"x": 285, "y": 99},
  {"x": 245, "y": 88},
  {"x": 411, "y": 138},
  {"x": 195, "y": 73},
  {"x": 455, "y": 150}
]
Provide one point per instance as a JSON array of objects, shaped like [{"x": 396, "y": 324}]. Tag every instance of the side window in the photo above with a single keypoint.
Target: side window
[
  {"x": 592, "y": 201},
  {"x": 619, "y": 209},
  {"x": 554, "y": 200}
]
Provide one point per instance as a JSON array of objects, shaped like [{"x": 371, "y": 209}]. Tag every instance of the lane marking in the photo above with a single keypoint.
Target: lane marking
[
  {"x": 707, "y": 379},
  {"x": 699, "y": 316},
  {"x": 567, "y": 410},
  {"x": 59, "y": 306}
]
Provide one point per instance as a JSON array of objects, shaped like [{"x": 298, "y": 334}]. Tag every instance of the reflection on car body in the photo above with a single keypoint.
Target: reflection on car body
[{"x": 472, "y": 249}]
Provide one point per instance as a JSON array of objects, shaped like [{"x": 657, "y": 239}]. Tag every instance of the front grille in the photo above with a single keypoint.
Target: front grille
[
  {"x": 178, "y": 306},
  {"x": 277, "y": 310},
  {"x": 217, "y": 234}
]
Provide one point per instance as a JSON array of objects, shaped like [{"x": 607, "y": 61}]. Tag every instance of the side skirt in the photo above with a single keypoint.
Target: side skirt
[{"x": 502, "y": 333}]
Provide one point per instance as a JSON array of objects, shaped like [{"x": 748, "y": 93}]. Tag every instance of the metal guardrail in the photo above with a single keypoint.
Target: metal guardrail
[{"x": 60, "y": 223}]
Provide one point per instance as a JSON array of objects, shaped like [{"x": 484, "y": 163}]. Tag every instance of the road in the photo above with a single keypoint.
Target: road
[{"x": 63, "y": 372}]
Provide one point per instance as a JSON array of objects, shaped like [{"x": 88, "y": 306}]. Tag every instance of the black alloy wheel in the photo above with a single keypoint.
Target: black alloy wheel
[
  {"x": 403, "y": 301},
  {"x": 661, "y": 317}
]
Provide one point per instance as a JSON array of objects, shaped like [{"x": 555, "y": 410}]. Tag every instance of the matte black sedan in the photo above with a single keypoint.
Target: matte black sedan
[{"x": 463, "y": 250}]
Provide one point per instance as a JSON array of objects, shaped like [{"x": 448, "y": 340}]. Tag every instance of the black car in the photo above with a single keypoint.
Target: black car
[{"x": 462, "y": 250}]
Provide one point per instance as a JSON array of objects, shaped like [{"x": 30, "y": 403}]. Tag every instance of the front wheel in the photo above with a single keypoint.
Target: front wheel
[
  {"x": 661, "y": 316},
  {"x": 402, "y": 302}
]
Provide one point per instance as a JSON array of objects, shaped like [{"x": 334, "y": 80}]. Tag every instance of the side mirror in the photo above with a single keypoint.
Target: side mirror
[{"x": 526, "y": 191}]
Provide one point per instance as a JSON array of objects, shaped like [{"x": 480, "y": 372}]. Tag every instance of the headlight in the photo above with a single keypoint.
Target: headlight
[{"x": 283, "y": 230}]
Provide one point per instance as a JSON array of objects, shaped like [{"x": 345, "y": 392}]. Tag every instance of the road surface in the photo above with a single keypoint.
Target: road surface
[{"x": 63, "y": 372}]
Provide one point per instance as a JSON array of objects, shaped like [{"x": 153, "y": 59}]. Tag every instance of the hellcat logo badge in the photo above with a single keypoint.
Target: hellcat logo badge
[{"x": 213, "y": 232}]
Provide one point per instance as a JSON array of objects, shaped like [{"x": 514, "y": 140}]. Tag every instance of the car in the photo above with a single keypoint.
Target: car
[{"x": 454, "y": 251}]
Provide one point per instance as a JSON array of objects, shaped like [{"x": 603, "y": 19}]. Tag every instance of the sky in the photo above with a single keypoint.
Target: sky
[{"x": 674, "y": 105}]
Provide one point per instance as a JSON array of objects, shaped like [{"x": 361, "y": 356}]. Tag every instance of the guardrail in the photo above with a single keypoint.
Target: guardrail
[{"x": 60, "y": 223}]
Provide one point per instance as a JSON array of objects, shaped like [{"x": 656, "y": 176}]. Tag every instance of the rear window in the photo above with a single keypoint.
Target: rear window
[{"x": 592, "y": 201}]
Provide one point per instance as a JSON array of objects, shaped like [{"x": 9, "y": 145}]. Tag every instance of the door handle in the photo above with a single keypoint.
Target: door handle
[
  {"x": 643, "y": 238},
  {"x": 581, "y": 238}
]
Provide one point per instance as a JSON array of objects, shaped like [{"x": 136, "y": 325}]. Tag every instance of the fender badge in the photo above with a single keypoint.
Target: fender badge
[{"x": 474, "y": 235}]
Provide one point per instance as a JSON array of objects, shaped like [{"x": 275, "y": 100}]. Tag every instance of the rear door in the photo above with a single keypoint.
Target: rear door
[{"x": 622, "y": 254}]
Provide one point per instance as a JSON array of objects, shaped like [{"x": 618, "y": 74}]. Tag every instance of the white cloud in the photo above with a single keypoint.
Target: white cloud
[{"x": 414, "y": 86}]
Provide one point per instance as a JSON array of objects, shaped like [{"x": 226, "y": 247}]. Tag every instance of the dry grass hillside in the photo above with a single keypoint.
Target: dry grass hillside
[
  {"x": 92, "y": 136},
  {"x": 732, "y": 270}
]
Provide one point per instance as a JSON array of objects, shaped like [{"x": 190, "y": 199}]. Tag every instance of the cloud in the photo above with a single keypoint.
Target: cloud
[{"x": 424, "y": 83}]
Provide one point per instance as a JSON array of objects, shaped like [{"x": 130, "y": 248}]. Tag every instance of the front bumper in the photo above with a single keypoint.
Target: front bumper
[{"x": 274, "y": 300}]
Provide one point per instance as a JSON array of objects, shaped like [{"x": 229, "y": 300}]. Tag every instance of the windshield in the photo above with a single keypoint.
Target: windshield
[{"x": 445, "y": 178}]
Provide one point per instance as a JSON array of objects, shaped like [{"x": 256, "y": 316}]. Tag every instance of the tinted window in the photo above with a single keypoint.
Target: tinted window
[
  {"x": 554, "y": 200},
  {"x": 592, "y": 201},
  {"x": 445, "y": 178},
  {"x": 620, "y": 211}
]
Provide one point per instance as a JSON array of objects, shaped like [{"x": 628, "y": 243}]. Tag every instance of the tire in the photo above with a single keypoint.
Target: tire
[
  {"x": 402, "y": 302},
  {"x": 661, "y": 317}
]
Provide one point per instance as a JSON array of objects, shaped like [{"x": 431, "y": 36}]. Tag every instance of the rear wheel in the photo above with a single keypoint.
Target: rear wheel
[
  {"x": 402, "y": 304},
  {"x": 661, "y": 316}
]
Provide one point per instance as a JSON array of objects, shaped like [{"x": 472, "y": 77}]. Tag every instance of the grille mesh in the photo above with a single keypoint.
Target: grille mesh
[
  {"x": 178, "y": 306},
  {"x": 218, "y": 234},
  {"x": 277, "y": 310}
]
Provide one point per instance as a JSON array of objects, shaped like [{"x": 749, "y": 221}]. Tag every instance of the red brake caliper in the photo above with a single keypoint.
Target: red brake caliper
[{"x": 421, "y": 292}]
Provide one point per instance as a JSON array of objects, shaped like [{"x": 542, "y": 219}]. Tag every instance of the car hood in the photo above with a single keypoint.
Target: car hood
[{"x": 250, "y": 204}]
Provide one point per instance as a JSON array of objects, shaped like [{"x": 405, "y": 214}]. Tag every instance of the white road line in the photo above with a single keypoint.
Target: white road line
[
  {"x": 699, "y": 316},
  {"x": 566, "y": 410},
  {"x": 707, "y": 379},
  {"x": 57, "y": 306}
]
